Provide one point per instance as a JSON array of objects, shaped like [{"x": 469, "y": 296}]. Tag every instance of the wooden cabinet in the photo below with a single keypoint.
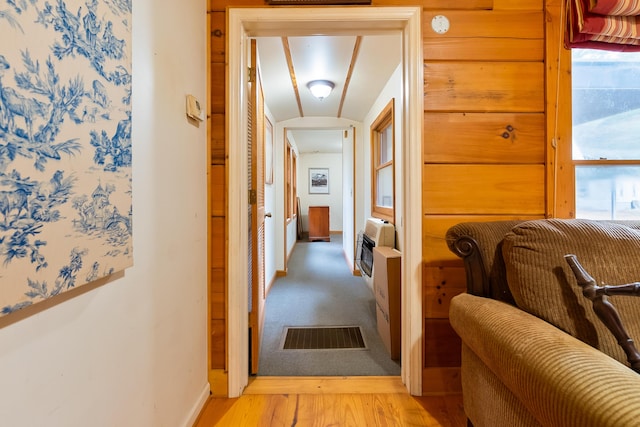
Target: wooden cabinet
[{"x": 319, "y": 223}]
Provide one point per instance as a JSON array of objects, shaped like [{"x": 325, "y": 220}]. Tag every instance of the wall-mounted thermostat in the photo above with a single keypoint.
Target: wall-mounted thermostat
[
  {"x": 440, "y": 24},
  {"x": 193, "y": 108}
]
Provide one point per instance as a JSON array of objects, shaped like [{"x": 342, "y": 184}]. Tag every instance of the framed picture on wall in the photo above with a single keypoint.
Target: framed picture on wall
[{"x": 318, "y": 180}]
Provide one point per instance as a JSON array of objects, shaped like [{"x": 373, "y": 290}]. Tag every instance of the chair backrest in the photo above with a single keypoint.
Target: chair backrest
[{"x": 479, "y": 244}]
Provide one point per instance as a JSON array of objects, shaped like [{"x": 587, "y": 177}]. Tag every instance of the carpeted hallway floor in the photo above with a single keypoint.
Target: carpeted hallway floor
[{"x": 319, "y": 290}]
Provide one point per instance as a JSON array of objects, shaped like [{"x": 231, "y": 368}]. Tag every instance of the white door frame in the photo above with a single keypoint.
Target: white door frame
[{"x": 252, "y": 22}]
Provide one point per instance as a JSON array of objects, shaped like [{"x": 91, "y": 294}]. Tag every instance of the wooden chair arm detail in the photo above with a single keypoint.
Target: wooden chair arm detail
[{"x": 606, "y": 311}]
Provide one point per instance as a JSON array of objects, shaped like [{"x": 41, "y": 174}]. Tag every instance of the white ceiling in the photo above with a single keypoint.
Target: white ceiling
[{"x": 325, "y": 58}]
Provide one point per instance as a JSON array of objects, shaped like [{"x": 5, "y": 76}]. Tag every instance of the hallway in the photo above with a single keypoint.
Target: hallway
[{"x": 319, "y": 290}]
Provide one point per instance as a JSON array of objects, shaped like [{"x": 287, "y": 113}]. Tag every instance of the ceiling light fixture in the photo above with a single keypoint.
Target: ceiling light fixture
[{"x": 320, "y": 88}]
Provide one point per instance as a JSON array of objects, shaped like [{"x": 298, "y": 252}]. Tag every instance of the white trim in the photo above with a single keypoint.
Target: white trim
[
  {"x": 198, "y": 406},
  {"x": 412, "y": 331},
  {"x": 237, "y": 288},
  {"x": 245, "y": 22}
]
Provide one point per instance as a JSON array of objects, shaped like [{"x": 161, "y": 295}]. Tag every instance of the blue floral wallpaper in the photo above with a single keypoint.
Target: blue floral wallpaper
[{"x": 65, "y": 146}]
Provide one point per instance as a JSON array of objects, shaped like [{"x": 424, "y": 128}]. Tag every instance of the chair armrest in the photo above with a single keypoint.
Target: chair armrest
[
  {"x": 605, "y": 310},
  {"x": 559, "y": 379}
]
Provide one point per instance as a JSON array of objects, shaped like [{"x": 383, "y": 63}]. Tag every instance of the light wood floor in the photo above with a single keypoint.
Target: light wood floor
[{"x": 332, "y": 401}]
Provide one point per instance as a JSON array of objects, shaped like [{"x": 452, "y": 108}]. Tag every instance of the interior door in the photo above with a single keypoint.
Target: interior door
[{"x": 257, "y": 212}]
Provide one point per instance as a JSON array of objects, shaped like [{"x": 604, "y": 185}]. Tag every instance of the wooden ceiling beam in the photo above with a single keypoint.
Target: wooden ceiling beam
[
  {"x": 347, "y": 80},
  {"x": 292, "y": 73}
]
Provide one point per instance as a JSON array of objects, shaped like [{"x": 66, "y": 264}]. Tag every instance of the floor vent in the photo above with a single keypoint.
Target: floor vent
[{"x": 323, "y": 338}]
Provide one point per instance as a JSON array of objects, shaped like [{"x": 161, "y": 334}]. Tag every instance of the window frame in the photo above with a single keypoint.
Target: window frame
[
  {"x": 561, "y": 170},
  {"x": 384, "y": 120}
]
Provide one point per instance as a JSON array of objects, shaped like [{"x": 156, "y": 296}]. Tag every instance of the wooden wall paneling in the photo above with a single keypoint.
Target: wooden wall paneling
[
  {"x": 217, "y": 199},
  {"x": 441, "y": 284},
  {"x": 441, "y": 380},
  {"x": 218, "y": 344},
  {"x": 218, "y": 305},
  {"x": 479, "y": 24},
  {"x": 218, "y": 239},
  {"x": 217, "y": 87},
  {"x": 485, "y": 49},
  {"x": 217, "y": 282},
  {"x": 460, "y": 4},
  {"x": 484, "y": 86},
  {"x": 214, "y": 5},
  {"x": 218, "y": 36},
  {"x": 485, "y": 35},
  {"x": 484, "y": 189},
  {"x": 218, "y": 312},
  {"x": 484, "y": 138},
  {"x": 217, "y": 190},
  {"x": 443, "y": 343},
  {"x": 434, "y": 230},
  {"x": 218, "y": 150},
  {"x": 518, "y": 4}
]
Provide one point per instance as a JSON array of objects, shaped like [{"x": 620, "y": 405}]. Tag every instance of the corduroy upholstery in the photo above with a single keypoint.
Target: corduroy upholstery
[
  {"x": 542, "y": 282},
  {"x": 518, "y": 369}
]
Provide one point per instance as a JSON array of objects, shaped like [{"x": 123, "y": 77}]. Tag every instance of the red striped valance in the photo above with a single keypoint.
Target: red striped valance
[
  {"x": 603, "y": 24},
  {"x": 615, "y": 7}
]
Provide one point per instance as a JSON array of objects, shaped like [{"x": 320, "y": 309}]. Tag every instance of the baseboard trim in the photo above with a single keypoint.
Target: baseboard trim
[
  {"x": 198, "y": 406},
  {"x": 281, "y": 273}
]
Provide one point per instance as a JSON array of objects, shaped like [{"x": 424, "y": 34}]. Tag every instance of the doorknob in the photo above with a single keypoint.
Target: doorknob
[{"x": 268, "y": 215}]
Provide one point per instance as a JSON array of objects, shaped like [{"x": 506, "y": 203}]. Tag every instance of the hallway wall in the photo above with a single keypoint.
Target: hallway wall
[
  {"x": 332, "y": 161},
  {"x": 132, "y": 352}
]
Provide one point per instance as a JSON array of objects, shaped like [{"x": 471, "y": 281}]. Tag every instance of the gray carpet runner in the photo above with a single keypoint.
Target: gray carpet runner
[{"x": 319, "y": 290}]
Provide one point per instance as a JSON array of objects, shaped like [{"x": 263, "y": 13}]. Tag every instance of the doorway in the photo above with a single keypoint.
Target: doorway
[{"x": 255, "y": 22}]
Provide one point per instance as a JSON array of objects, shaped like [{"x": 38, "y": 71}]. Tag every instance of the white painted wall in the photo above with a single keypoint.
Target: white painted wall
[
  {"x": 133, "y": 351},
  {"x": 348, "y": 197},
  {"x": 332, "y": 161},
  {"x": 392, "y": 90}
]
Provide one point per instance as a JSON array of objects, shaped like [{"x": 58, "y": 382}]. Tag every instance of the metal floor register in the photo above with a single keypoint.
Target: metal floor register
[{"x": 323, "y": 338}]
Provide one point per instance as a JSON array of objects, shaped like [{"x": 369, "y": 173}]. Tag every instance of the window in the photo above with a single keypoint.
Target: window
[
  {"x": 606, "y": 134},
  {"x": 382, "y": 165},
  {"x": 291, "y": 179}
]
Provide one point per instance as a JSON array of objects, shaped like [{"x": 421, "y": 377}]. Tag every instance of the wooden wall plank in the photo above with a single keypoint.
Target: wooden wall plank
[
  {"x": 217, "y": 142},
  {"x": 443, "y": 344},
  {"x": 480, "y": 24},
  {"x": 484, "y": 86},
  {"x": 459, "y": 4},
  {"x": 484, "y": 189},
  {"x": 218, "y": 344},
  {"x": 218, "y": 245},
  {"x": 441, "y": 380},
  {"x": 485, "y": 49},
  {"x": 484, "y": 138},
  {"x": 217, "y": 281},
  {"x": 440, "y": 285},
  {"x": 217, "y": 88},
  {"x": 435, "y": 252},
  {"x": 218, "y": 36},
  {"x": 217, "y": 189},
  {"x": 218, "y": 305},
  {"x": 518, "y": 4}
]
